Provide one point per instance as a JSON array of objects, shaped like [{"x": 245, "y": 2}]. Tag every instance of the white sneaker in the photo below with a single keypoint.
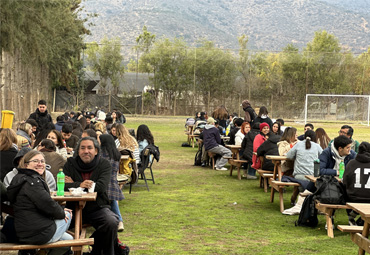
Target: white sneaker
[
  {"x": 221, "y": 169},
  {"x": 121, "y": 227},
  {"x": 251, "y": 177}
]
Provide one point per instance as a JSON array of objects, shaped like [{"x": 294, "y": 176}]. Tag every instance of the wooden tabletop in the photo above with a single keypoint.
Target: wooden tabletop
[
  {"x": 275, "y": 157},
  {"x": 232, "y": 146},
  {"x": 313, "y": 178},
  {"x": 68, "y": 197},
  {"x": 361, "y": 208}
]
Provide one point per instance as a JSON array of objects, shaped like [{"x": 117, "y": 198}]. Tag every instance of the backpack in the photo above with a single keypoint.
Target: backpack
[
  {"x": 330, "y": 191},
  {"x": 189, "y": 121},
  {"x": 308, "y": 215},
  {"x": 198, "y": 157}
]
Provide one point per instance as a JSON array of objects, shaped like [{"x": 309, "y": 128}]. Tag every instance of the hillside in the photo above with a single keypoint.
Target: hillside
[{"x": 270, "y": 25}]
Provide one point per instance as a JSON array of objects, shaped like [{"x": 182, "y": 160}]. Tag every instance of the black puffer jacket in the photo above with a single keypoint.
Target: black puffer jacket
[
  {"x": 41, "y": 118},
  {"x": 269, "y": 147},
  {"x": 247, "y": 144},
  {"x": 34, "y": 209}
]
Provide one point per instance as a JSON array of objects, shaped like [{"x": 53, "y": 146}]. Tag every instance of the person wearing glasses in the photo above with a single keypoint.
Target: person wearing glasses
[
  {"x": 347, "y": 130},
  {"x": 38, "y": 219}
]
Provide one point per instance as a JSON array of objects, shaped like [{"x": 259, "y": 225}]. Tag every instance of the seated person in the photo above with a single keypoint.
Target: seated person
[
  {"x": 38, "y": 219},
  {"x": 287, "y": 141},
  {"x": 258, "y": 141},
  {"x": 355, "y": 179},
  {"x": 331, "y": 157},
  {"x": 70, "y": 139},
  {"x": 304, "y": 153},
  {"x": 60, "y": 123},
  {"x": 54, "y": 160},
  {"x": 348, "y": 131},
  {"x": 247, "y": 151},
  {"x": 82, "y": 171},
  {"x": 308, "y": 126},
  {"x": 237, "y": 124},
  {"x": 212, "y": 143},
  {"x": 269, "y": 147}
]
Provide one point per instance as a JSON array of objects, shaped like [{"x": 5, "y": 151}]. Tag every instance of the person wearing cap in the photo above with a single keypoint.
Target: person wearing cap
[
  {"x": 48, "y": 176},
  {"x": 258, "y": 140},
  {"x": 212, "y": 143}
]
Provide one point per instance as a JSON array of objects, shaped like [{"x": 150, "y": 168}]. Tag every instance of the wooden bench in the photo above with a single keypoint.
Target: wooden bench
[
  {"x": 238, "y": 164},
  {"x": 212, "y": 156},
  {"x": 75, "y": 243},
  {"x": 329, "y": 210},
  {"x": 279, "y": 186},
  {"x": 350, "y": 229},
  {"x": 264, "y": 177}
]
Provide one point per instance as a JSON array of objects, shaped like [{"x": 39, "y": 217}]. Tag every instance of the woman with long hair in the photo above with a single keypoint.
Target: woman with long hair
[
  {"x": 144, "y": 136},
  {"x": 127, "y": 141},
  {"x": 222, "y": 115},
  {"x": 322, "y": 138},
  {"x": 263, "y": 117},
  {"x": 276, "y": 129},
  {"x": 110, "y": 152},
  {"x": 287, "y": 141},
  {"x": 57, "y": 138},
  {"x": 258, "y": 141},
  {"x": 38, "y": 219},
  {"x": 8, "y": 150},
  {"x": 244, "y": 129},
  {"x": 304, "y": 153}
]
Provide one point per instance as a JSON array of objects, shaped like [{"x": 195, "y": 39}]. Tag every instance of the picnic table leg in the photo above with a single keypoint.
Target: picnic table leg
[
  {"x": 329, "y": 223},
  {"x": 365, "y": 233},
  {"x": 231, "y": 169},
  {"x": 239, "y": 174},
  {"x": 265, "y": 184},
  {"x": 272, "y": 194},
  {"x": 281, "y": 198}
]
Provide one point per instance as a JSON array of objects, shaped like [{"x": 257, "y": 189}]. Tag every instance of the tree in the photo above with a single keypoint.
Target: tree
[
  {"x": 106, "y": 61},
  {"x": 243, "y": 64}
]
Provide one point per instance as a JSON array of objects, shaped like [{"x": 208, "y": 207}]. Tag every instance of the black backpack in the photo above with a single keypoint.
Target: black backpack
[
  {"x": 198, "y": 157},
  {"x": 308, "y": 215},
  {"x": 330, "y": 191}
]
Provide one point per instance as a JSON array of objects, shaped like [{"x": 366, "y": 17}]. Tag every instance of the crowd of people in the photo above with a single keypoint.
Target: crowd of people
[
  {"x": 259, "y": 135},
  {"x": 87, "y": 146}
]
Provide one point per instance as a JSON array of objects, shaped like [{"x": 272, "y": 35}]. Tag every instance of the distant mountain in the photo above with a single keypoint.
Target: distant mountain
[{"x": 270, "y": 25}]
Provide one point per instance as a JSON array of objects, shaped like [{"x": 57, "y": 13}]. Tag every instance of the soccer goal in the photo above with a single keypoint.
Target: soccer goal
[{"x": 337, "y": 107}]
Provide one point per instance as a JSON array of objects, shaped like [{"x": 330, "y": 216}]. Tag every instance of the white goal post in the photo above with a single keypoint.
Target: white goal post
[{"x": 337, "y": 96}]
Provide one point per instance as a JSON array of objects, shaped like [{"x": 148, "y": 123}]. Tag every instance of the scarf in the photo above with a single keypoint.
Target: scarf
[
  {"x": 89, "y": 167},
  {"x": 336, "y": 157},
  {"x": 25, "y": 135}
]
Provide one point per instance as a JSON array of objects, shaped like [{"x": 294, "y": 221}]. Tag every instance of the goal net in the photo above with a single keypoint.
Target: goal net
[{"x": 322, "y": 107}]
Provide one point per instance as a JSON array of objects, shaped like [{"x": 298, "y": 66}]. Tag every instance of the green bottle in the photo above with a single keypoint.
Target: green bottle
[
  {"x": 341, "y": 169},
  {"x": 60, "y": 183}
]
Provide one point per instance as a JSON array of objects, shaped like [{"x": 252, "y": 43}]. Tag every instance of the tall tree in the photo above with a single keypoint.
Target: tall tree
[{"x": 105, "y": 59}]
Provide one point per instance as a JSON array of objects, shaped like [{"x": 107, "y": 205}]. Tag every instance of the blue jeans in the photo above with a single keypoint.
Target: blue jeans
[
  {"x": 251, "y": 170},
  {"x": 61, "y": 234},
  {"x": 114, "y": 207}
]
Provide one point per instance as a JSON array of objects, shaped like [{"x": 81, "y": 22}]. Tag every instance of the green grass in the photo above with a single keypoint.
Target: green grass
[{"x": 195, "y": 210}]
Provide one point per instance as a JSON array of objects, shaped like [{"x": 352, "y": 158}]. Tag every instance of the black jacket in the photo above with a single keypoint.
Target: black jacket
[
  {"x": 232, "y": 135},
  {"x": 356, "y": 189},
  {"x": 34, "y": 209},
  {"x": 247, "y": 144},
  {"x": 269, "y": 147},
  {"x": 41, "y": 118},
  {"x": 100, "y": 175},
  {"x": 264, "y": 120},
  {"x": 6, "y": 161}
]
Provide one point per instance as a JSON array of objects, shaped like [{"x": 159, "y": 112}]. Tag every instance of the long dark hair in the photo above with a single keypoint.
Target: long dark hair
[
  {"x": 108, "y": 146},
  {"x": 143, "y": 132},
  {"x": 309, "y": 136}
]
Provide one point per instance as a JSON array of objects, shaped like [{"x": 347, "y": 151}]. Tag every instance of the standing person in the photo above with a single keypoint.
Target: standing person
[
  {"x": 355, "y": 180},
  {"x": 221, "y": 114},
  {"x": 331, "y": 157},
  {"x": 244, "y": 129},
  {"x": 247, "y": 151},
  {"x": 110, "y": 153},
  {"x": 144, "y": 137},
  {"x": 322, "y": 138},
  {"x": 24, "y": 133},
  {"x": 38, "y": 219},
  {"x": 263, "y": 117},
  {"x": 304, "y": 154},
  {"x": 8, "y": 150},
  {"x": 41, "y": 115},
  {"x": 212, "y": 143},
  {"x": 250, "y": 114},
  {"x": 82, "y": 171}
]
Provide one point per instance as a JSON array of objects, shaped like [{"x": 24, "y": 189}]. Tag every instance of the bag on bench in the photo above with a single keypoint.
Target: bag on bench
[
  {"x": 308, "y": 215},
  {"x": 330, "y": 191}
]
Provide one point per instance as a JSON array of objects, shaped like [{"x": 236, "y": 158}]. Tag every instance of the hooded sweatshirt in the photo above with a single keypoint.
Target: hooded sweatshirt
[
  {"x": 269, "y": 147},
  {"x": 355, "y": 178},
  {"x": 211, "y": 137},
  {"x": 34, "y": 209}
]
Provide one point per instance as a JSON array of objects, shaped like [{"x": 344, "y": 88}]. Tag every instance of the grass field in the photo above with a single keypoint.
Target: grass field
[{"x": 195, "y": 210}]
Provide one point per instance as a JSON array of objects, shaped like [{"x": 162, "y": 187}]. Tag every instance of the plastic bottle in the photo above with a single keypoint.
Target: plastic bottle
[
  {"x": 341, "y": 169},
  {"x": 316, "y": 167},
  {"x": 60, "y": 183}
]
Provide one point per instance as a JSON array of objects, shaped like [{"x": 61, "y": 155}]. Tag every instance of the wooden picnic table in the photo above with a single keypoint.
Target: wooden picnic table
[
  {"x": 362, "y": 240},
  {"x": 235, "y": 159},
  {"x": 80, "y": 202},
  {"x": 234, "y": 150},
  {"x": 276, "y": 160},
  {"x": 190, "y": 133},
  {"x": 313, "y": 178}
]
